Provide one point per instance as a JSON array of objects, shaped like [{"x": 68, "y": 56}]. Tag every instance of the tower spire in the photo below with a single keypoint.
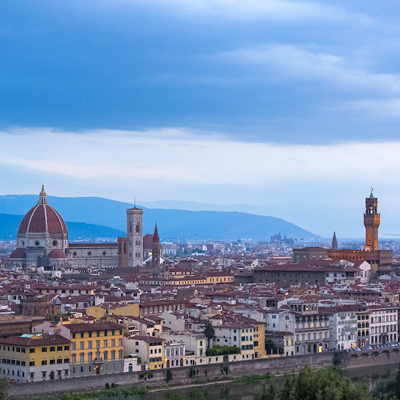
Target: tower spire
[
  {"x": 43, "y": 196},
  {"x": 334, "y": 242},
  {"x": 156, "y": 238}
]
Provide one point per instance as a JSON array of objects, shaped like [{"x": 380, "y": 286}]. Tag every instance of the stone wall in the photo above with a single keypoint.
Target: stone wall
[{"x": 201, "y": 373}]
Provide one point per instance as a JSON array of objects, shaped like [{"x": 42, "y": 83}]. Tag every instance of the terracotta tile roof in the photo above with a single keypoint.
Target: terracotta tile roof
[
  {"x": 91, "y": 327},
  {"x": 44, "y": 340}
]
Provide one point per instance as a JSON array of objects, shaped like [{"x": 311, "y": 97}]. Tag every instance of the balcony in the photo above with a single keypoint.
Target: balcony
[{"x": 98, "y": 361}]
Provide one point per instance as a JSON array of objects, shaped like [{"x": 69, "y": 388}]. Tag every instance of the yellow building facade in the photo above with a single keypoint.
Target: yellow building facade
[
  {"x": 35, "y": 357},
  {"x": 96, "y": 349}
]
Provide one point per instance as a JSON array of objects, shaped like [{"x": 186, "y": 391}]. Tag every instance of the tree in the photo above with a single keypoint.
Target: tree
[
  {"x": 397, "y": 384},
  {"x": 4, "y": 385},
  {"x": 270, "y": 346},
  {"x": 267, "y": 394},
  {"x": 209, "y": 331}
]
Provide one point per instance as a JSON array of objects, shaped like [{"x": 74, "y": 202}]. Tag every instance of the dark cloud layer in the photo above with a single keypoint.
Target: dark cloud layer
[{"x": 273, "y": 71}]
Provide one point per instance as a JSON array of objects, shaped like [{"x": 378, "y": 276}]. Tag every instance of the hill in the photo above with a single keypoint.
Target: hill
[{"x": 173, "y": 224}]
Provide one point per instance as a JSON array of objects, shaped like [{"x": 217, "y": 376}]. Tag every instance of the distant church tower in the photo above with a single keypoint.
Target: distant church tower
[
  {"x": 334, "y": 242},
  {"x": 372, "y": 220},
  {"x": 134, "y": 231},
  {"x": 156, "y": 251}
]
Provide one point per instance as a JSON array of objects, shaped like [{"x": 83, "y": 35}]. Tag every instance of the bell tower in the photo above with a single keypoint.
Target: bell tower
[{"x": 372, "y": 220}]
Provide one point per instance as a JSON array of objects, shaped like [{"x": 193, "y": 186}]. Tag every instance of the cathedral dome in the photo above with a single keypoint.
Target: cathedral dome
[
  {"x": 42, "y": 218},
  {"x": 57, "y": 253},
  {"x": 18, "y": 253}
]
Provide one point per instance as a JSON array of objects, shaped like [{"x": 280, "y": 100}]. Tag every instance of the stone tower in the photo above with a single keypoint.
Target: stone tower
[
  {"x": 156, "y": 250},
  {"x": 123, "y": 252},
  {"x": 334, "y": 242},
  {"x": 372, "y": 220},
  {"x": 134, "y": 231}
]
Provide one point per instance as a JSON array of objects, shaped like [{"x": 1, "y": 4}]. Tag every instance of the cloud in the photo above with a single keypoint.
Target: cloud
[
  {"x": 301, "y": 64},
  {"x": 234, "y": 10},
  {"x": 182, "y": 155},
  {"x": 380, "y": 108}
]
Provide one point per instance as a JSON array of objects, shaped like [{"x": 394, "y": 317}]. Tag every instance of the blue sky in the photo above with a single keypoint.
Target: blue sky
[{"x": 289, "y": 106}]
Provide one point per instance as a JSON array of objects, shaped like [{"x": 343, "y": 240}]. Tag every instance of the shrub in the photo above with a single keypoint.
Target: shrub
[
  {"x": 169, "y": 376},
  {"x": 222, "y": 350}
]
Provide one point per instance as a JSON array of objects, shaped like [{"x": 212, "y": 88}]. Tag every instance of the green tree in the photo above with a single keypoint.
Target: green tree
[
  {"x": 209, "y": 331},
  {"x": 289, "y": 389},
  {"x": 267, "y": 394},
  {"x": 396, "y": 388},
  {"x": 270, "y": 346},
  {"x": 4, "y": 386}
]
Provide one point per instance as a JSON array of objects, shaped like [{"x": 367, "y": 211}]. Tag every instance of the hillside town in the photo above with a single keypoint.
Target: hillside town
[{"x": 71, "y": 310}]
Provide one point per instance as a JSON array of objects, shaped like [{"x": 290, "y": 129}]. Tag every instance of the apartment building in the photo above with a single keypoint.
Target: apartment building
[
  {"x": 35, "y": 357},
  {"x": 311, "y": 327},
  {"x": 383, "y": 324},
  {"x": 96, "y": 349}
]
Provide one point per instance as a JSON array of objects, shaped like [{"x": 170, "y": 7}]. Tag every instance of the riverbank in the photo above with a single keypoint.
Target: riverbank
[{"x": 202, "y": 374}]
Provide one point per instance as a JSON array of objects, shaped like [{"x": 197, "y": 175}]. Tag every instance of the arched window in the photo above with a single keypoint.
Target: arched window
[
  {"x": 138, "y": 228},
  {"x": 130, "y": 228}
]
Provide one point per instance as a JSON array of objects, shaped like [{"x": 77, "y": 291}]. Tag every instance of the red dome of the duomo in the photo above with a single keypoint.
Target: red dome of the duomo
[{"x": 42, "y": 218}]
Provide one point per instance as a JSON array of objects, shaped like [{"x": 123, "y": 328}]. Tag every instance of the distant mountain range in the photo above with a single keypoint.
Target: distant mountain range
[{"x": 93, "y": 217}]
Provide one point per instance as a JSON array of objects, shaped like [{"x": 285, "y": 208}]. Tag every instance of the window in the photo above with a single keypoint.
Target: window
[
  {"x": 113, "y": 343},
  {"x": 82, "y": 345},
  {"x": 66, "y": 360},
  {"x": 82, "y": 358},
  {"x": 31, "y": 363},
  {"x": 59, "y": 348},
  {"x": 52, "y": 349},
  {"x": 59, "y": 361},
  {"x": 31, "y": 350},
  {"x": 90, "y": 334},
  {"x": 66, "y": 348},
  {"x": 73, "y": 346},
  {"x": 44, "y": 349},
  {"x": 52, "y": 362},
  {"x": 44, "y": 362},
  {"x": 44, "y": 373},
  {"x": 105, "y": 343},
  {"x": 89, "y": 344}
]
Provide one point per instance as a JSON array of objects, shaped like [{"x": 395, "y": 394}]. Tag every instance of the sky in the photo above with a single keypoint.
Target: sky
[{"x": 282, "y": 108}]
